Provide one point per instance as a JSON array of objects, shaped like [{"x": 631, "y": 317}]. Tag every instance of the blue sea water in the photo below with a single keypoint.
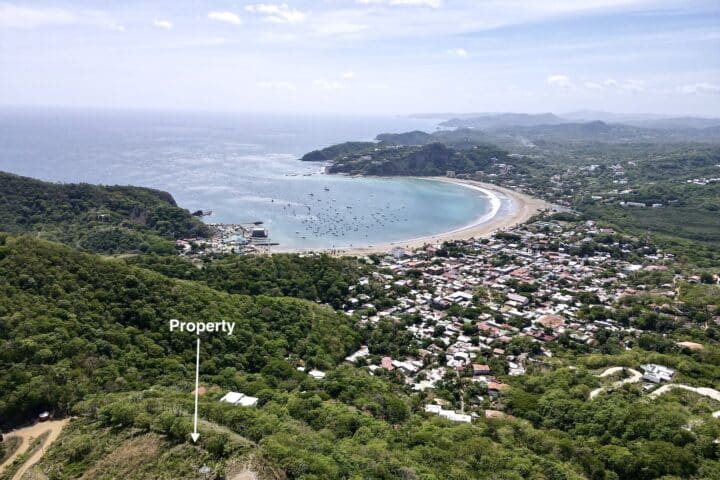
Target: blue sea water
[{"x": 243, "y": 167}]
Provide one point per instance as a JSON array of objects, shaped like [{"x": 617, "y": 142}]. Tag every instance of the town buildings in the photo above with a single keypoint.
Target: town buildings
[{"x": 488, "y": 309}]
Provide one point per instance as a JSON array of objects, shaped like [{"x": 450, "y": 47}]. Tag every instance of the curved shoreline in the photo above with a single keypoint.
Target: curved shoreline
[{"x": 522, "y": 207}]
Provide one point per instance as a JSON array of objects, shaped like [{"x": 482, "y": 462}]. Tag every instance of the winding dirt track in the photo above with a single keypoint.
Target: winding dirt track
[
  {"x": 633, "y": 378},
  {"x": 704, "y": 391},
  {"x": 707, "y": 392},
  {"x": 27, "y": 435}
]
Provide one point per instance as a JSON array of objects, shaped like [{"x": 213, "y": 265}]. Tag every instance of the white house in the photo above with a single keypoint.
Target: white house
[
  {"x": 449, "y": 414},
  {"x": 657, "y": 373},
  {"x": 240, "y": 399},
  {"x": 317, "y": 374}
]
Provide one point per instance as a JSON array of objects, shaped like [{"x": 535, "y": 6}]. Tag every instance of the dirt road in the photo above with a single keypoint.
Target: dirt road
[
  {"x": 707, "y": 392},
  {"x": 27, "y": 435},
  {"x": 633, "y": 378}
]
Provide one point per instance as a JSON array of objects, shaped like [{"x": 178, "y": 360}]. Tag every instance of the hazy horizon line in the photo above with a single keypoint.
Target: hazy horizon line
[{"x": 418, "y": 114}]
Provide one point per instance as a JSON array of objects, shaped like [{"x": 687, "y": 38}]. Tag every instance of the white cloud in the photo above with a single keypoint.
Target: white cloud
[
  {"x": 227, "y": 17},
  {"x": 277, "y": 13},
  {"x": 165, "y": 24},
  {"x": 418, "y": 3},
  {"x": 593, "y": 86},
  {"x": 202, "y": 42},
  {"x": 457, "y": 52},
  {"x": 631, "y": 86},
  {"x": 276, "y": 37},
  {"x": 400, "y": 3},
  {"x": 328, "y": 84},
  {"x": 340, "y": 28},
  {"x": 700, "y": 88},
  {"x": 560, "y": 81},
  {"x": 348, "y": 75},
  {"x": 12, "y": 16},
  {"x": 611, "y": 83},
  {"x": 278, "y": 85}
]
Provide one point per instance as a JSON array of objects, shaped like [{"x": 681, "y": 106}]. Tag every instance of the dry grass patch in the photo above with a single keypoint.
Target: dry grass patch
[
  {"x": 128, "y": 458},
  {"x": 253, "y": 468}
]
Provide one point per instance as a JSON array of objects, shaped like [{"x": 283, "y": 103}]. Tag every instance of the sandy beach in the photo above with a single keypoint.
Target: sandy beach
[{"x": 522, "y": 207}]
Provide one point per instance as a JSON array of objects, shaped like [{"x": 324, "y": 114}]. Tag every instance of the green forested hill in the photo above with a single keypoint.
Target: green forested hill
[
  {"x": 109, "y": 219},
  {"x": 335, "y": 151},
  {"x": 87, "y": 335},
  {"x": 72, "y": 324},
  {"x": 318, "y": 278},
  {"x": 413, "y": 153},
  {"x": 428, "y": 160},
  {"x": 461, "y": 138}
]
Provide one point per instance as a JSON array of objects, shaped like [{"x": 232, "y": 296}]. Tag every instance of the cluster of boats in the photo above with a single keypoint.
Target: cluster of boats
[{"x": 323, "y": 217}]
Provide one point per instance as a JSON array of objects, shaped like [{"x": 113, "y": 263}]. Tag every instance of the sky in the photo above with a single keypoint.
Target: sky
[{"x": 364, "y": 56}]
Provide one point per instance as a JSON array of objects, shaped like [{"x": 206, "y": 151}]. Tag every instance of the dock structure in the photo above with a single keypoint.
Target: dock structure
[{"x": 240, "y": 238}]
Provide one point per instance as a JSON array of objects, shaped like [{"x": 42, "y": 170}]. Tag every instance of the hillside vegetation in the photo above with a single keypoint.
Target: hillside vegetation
[
  {"x": 335, "y": 151},
  {"x": 431, "y": 159},
  {"x": 319, "y": 278},
  {"x": 88, "y": 336},
  {"x": 72, "y": 324},
  {"x": 107, "y": 219}
]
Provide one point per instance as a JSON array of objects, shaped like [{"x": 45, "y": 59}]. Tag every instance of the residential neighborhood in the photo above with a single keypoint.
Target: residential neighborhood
[{"x": 485, "y": 310}]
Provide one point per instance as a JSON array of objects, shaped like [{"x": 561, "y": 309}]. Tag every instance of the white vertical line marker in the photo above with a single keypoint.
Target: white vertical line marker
[{"x": 195, "y": 435}]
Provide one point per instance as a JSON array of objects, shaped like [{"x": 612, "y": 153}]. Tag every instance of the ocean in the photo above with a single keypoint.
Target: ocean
[{"x": 243, "y": 167}]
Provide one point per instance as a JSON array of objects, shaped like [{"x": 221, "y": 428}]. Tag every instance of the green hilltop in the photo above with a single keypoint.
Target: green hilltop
[
  {"x": 425, "y": 159},
  {"x": 107, "y": 219},
  {"x": 72, "y": 324}
]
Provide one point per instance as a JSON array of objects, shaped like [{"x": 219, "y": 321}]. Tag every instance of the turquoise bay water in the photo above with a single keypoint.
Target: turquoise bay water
[{"x": 243, "y": 167}]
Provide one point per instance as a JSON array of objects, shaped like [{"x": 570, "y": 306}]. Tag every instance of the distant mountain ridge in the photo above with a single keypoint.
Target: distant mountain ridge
[
  {"x": 475, "y": 144},
  {"x": 504, "y": 120},
  {"x": 500, "y": 120}
]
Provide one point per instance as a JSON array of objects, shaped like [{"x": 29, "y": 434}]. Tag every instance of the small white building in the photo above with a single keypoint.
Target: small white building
[
  {"x": 657, "y": 373},
  {"x": 431, "y": 408},
  {"x": 398, "y": 252},
  {"x": 514, "y": 297},
  {"x": 363, "y": 352},
  {"x": 461, "y": 296},
  {"x": 455, "y": 417},
  {"x": 259, "y": 232},
  {"x": 448, "y": 414},
  {"x": 237, "y": 398}
]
